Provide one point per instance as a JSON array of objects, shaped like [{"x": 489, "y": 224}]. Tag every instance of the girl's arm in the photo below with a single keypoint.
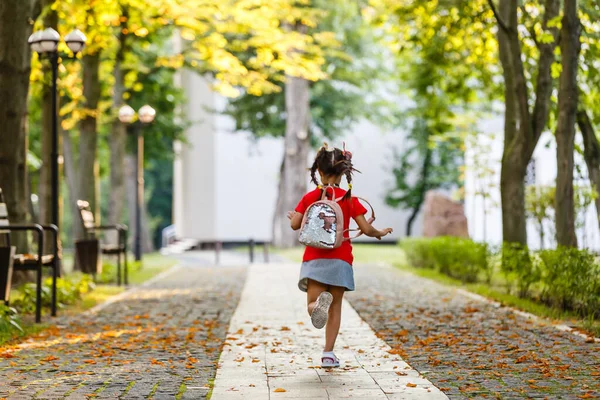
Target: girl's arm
[
  {"x": 369, "y": 230},
  {"x": 295, "y": 219}
]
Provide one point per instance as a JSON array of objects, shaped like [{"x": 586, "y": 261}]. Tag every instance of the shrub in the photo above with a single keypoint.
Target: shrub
[
  {"x": 520, "y": 268},
  {"x": 459, "y": 258},
  {"x": 69, "y": 290},
  {"x": 9, "y": 319},
  {"x": 419, "y": 252},
  {"x": 571, "y": 279},
  {"x": 109, "y": 273}
]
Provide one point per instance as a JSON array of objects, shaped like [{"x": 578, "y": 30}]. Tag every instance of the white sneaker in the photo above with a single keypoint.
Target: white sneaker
[
  {"x": 320, "y": 313},
  {"x": 329, "y": 360}
]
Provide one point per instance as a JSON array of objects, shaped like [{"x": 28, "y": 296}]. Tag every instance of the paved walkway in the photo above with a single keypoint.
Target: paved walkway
[
  {"x": 163, "y": 341},
  {"x": 474, "y": 349},
  {"x": 159, "y": 342},
  {"x": 273, "y": 352}
]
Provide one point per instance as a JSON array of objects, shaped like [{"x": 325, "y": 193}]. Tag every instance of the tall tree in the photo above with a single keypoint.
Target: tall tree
[
  {"x": 292, "y": 180},
  {"x": 591, "y": 154},
  {"x": 88, "y": 137},
  {"x": 119, "y": 130},
  {"x": 16, "y": 22},
  {"x": 570, "y": 46},
  {"x": 522, "y": 126}
]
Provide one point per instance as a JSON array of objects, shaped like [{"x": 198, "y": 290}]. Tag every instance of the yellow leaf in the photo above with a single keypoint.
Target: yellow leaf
[{"x": 280, "y": 390}]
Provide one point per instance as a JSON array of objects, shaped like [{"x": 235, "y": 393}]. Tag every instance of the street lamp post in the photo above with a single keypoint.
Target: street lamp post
[
  {"x": 146, "y": 115},
  {"x": 46, "y": 43}
]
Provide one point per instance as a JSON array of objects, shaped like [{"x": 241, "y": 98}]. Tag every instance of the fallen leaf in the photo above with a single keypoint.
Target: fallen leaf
[
  {"x": 239, "y": 359},
  {"x": 285, "y": 328},
  {"x": 586, "y": 396},
  {"x": 411, "y": 385},
  {"x": 50, "y": 358},
  {"x": 401, "y": 373},
  {"x": 521, "y": 359},
  {"x": 280, "y": 390}
]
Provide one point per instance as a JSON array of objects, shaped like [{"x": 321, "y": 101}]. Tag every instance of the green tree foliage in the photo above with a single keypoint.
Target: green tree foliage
[
  {"x": 445, "y": 81},
  {"x": 335, "y": 102}
]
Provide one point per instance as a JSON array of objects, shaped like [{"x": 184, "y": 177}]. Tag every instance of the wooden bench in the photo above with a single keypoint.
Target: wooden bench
[
  {"x": 116, "y": 249},
  {"x": 33, "y": 262}
]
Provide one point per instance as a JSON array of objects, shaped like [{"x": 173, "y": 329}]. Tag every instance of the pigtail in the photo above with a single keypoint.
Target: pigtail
[
  {"x": 313, "y": 172},
  {"x": 348, "y": 174}
]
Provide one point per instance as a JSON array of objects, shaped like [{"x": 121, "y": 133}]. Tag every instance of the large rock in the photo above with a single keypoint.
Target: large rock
[{"x": 443, "y": 216}]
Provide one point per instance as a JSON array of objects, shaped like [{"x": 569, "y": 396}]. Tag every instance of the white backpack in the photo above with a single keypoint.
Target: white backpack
[{"x": 323, "y": 223}]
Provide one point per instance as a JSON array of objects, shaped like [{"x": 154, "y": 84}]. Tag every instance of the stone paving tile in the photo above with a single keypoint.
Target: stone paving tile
[
  {"x": 156, "y": 340},
  {"x": 472, "y": 349},
  {"x": 273, "y": 352}
]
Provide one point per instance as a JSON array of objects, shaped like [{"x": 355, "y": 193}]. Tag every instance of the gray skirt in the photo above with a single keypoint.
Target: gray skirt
[{"x": 327, "y": 271}]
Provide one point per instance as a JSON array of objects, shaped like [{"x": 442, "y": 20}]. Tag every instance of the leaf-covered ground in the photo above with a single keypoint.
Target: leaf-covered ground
[
  {"x": 154, "y": 343},
  {"x": 472, "y": 349}
]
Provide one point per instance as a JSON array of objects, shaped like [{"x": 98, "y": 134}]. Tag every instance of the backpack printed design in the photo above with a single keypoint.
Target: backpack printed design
[{"x": 323, "y": 223}]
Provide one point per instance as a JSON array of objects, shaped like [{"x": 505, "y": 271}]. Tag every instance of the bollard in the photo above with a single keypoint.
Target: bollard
[
  {"x": 218, "y": 248},
  {"x": 266, "y": 252},
  {"x": 251, "y": 249}
]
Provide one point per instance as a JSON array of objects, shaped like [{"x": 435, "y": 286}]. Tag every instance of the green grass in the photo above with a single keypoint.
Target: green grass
[
  {"x": 181, "y": 392},
  {"x": 152, "y": 265},
  {"x": 393, "y": 255},
  {"x": 363, "y": 254},
  {"x": 7, "y": 336}
]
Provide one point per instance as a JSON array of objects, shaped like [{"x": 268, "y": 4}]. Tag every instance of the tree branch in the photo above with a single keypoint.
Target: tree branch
[
  {"x": 502, "y": 24},
  {"x": 544, "y": 78}
]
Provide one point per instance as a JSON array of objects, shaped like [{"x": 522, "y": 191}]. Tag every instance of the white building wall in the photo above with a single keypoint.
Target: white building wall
[
  {"x": 225, "y": 185},
  {"x": 195, "y": 181}
]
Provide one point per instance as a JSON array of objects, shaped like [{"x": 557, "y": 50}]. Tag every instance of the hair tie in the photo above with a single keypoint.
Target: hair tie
[
  {"x": 320, "y": 187},
  {"x": 349, "y": 186},
  {"x": 347, "y": 155}
]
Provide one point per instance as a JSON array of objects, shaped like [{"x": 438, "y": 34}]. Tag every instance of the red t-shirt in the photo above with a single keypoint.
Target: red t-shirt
[{"x": 350, "y": 208}]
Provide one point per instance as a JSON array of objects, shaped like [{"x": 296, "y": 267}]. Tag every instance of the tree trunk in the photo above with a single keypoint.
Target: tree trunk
[
  {"x": 45, "y": 183},
  {"x": 72, "y": 177},
  {"x": 423, "y": 185},
  {"x": 591, "y": 153},
  {"x": 15, "y": 66},
  {"x": 565, "y": 131},
  {"x": 117, "y": 138},
  {"x": 511, "y": 178},
  {"x": 522, "y": 128},
  {"x": 292, "y": 185},
  {"x": 88, "y": 140}
]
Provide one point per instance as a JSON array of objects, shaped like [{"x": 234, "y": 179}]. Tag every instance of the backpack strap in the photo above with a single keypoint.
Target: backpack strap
[
  {"x": 370, "y": 220},
  {"x": 324, "y": 195}
]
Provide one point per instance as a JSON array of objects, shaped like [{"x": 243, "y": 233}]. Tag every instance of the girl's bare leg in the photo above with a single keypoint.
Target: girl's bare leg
[
  {"x": 313, "y": 291},
  {"x": 335, "y": 317}
]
